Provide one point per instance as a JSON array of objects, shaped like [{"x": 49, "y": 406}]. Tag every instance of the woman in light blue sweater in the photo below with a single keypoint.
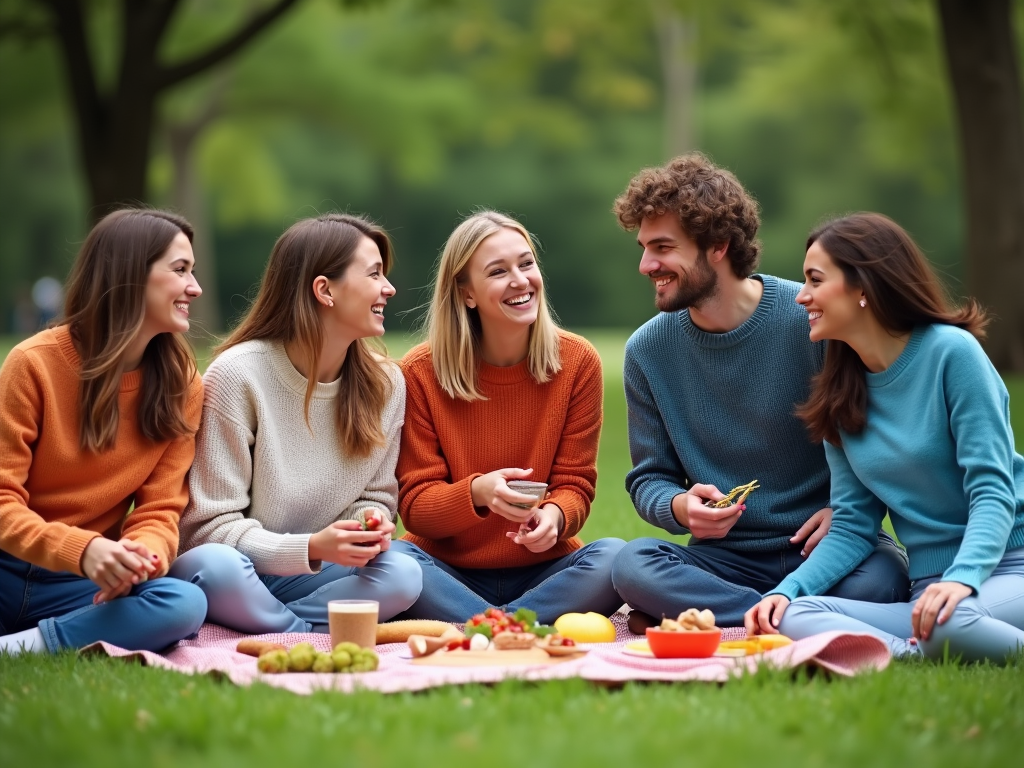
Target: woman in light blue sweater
[{"x": 916, "y": 422}]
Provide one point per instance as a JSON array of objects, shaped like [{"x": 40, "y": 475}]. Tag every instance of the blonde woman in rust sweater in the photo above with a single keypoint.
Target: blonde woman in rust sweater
[
  {"x": 299, "y": 441},
  {"x": 500, "y": 393},
  {"x": 96, "y": 415}
]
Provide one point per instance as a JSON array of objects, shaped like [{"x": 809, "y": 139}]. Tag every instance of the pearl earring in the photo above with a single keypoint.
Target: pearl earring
[
  {"x": 331, "y": 304},
  {"x": 863, "y": 303}
]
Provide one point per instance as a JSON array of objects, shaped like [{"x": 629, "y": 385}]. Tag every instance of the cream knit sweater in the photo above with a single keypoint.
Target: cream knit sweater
[{"x": 261, "y": 481}]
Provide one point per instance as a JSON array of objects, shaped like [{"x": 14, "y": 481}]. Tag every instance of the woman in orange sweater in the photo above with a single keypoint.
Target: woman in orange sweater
[
  {"x": 97, "y": 415},
  {"x": 499, "y": 393}
]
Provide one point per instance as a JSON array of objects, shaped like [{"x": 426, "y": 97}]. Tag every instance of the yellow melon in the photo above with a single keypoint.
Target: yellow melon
[{"x": 586, "y": 627}]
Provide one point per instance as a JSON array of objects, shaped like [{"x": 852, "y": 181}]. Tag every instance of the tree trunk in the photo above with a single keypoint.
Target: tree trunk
[
  {"x": 189, "y": 200},
  {"x": 981, "y": 53},
  {"x": 677, "y": 38}
]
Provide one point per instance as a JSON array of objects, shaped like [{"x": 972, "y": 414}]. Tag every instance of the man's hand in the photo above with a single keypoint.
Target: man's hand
[
  {"x": 813, "y": 530},
  {"x": 935, "y": 605},
  {"x": 346, "y": 543},
  {"x": 764, "y": 618},
  {"x": 492, "y": 491},
  {"x": 550, "y": 522},
  {"x": 705, "y": 522},
  {"x": 115, "y": 566}
]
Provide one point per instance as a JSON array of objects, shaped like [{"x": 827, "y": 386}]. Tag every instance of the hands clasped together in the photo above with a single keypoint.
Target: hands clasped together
[
  {"x": 539, "y": 527},
  {"x": 117, "y": 566}
]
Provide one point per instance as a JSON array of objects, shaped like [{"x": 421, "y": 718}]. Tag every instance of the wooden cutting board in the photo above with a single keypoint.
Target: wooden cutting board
[{"x": 530, "y": 656}]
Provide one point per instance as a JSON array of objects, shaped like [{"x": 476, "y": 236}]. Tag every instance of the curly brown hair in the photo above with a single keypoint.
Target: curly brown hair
[{"x": 712, "y": 206}]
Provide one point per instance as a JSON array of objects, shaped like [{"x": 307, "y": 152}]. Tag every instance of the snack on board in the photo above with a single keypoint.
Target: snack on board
[
  {"x": 753, "y": 645},
  {"x": 303, "y": 657},
  {"x": 401, "y": 631},
  {"x": 690, "y": 620},
  {"x": 511, "y": 641},
  {"x": 257, "y": 648},
  {"x": 740, "y": 491}
]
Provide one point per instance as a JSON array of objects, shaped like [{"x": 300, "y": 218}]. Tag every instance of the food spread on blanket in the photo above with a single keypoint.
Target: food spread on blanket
[
  {"x": 736, "y": 496},
  {"x": 496, "y": 630},
  {"x": 586, "y": 627},
  {"x": 274, "y": 658},
  {"x": 690, "y": 620}
]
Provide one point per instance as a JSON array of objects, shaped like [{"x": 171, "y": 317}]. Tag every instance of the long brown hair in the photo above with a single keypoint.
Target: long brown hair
[
  {"x": 879, "y": 258},
  {"x": 104, "y": 310},
  {"x": 286, "y": 310}
]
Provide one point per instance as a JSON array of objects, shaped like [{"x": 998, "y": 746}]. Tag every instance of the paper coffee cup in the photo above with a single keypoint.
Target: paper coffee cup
[{"x": 353, "y": 621}]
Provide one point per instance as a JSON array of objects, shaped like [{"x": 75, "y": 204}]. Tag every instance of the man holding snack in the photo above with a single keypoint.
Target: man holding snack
[{"x": 712, "y": 383}]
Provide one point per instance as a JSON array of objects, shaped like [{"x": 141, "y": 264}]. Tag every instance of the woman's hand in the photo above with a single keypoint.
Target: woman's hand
[
  {"x": 550, "y": 522},
  {"x": 813, "y": 531},
  {"x": 116, "y": 566},
  {"x": 385, "y": 530},
  {"x": 346, "y": 543},
  {"x": 764, "y": 618},
  {"x": 492, "y": 491},
  {"x": 936, "y": 604}
]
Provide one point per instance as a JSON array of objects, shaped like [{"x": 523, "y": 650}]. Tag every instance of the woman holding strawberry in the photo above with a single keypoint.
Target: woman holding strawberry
[
  {"x": 293, "y": 490},
  {"x": 500, "y": 393}
]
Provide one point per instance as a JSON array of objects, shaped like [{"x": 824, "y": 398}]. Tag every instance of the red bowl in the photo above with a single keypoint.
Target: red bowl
[{"x": 699, "y": 644}]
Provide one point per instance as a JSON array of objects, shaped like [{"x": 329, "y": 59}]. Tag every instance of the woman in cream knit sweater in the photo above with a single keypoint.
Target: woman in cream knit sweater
[{"x": 299, "y": 439}]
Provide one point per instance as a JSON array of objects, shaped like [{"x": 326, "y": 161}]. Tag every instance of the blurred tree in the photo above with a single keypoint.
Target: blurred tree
[
  {"x": 981, "y": 52},
  {"x": 115, "y": 124}
]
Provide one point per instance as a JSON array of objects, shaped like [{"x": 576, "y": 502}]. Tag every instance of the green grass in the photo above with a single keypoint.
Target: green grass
[{"x": 63, "y": 710}]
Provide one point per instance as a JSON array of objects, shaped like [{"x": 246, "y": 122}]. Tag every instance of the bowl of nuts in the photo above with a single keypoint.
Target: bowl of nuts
[{"x": 691, "y": 636}]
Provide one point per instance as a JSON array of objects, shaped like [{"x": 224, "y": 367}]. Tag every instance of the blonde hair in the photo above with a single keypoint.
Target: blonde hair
[
  {"x": 285, "y": 310},
  {"x": 453, "y": 329}
]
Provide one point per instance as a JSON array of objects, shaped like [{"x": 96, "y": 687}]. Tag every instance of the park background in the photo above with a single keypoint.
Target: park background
[{"x": 416, "y": 112}]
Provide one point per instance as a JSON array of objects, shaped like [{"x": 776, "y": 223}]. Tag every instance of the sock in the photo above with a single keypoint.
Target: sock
[{"x": 26, "y": 641}]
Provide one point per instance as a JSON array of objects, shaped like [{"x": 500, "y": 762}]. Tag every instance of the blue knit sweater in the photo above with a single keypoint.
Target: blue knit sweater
[
  {"x": 718, "y": 408},
  {"x": 938, "y": 452}
]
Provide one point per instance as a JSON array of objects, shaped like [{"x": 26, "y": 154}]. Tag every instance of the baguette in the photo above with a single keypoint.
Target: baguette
[
  {"x": 401, "y": 631},
  {"x": 257, "y": 648}
]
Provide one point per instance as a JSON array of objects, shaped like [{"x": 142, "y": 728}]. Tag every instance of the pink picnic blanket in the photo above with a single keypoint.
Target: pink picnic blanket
[{"x": 213, "y": 652}]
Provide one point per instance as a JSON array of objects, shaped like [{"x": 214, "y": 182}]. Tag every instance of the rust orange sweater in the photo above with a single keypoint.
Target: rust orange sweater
[
  {"x": 54, "y": 497},
  {"x": 446, "y": 443}
]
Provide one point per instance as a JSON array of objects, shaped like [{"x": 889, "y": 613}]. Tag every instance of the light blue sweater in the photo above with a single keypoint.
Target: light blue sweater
[
  {"x": 938, "y": 452},
  {"x": 718, "y": 408}
]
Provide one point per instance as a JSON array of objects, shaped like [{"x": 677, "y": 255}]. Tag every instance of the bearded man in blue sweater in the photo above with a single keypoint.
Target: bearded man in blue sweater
[{"x": 711, "y": 386}]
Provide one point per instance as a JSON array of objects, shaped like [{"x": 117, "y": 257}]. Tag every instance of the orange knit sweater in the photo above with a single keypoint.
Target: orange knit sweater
[
  {"x": 446, "y": 443},
  {"x": 55, "y": 498}
]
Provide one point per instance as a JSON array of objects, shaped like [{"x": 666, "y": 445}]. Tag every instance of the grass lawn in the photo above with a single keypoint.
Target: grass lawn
[{"x": 64, "y": 711}]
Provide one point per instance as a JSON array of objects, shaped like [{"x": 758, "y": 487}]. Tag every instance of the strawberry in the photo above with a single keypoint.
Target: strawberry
[{"x": 371, "y": 520}]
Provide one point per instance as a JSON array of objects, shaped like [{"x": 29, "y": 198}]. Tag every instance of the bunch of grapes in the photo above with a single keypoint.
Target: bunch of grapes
[{"x": 303, "y": 657}]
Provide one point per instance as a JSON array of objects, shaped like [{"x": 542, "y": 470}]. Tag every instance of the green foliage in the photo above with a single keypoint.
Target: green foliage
[{"x": 419, "y": 111}]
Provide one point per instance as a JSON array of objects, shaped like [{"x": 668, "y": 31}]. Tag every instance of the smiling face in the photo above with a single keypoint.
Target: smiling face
[
  {"x": 170, "y": 289},
  {"x": 503, "y": 283},
  {"x": 833, "y": 306},
  {"x": 679, "y": 271},
  {"x": 361, "y": 293}
]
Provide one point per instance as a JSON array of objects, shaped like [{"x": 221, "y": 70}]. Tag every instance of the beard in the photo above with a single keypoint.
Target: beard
[{"x": 694, "y": 288}]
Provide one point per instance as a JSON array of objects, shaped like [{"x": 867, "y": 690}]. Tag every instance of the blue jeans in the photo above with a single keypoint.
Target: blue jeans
[
  {"x": 154, "y": 615},
  {"x": 248, "y": 602},
  {"x": 663, "y": 579},
  {"x": 989, "y": 625},
  {"x": 580, "y": 581}
]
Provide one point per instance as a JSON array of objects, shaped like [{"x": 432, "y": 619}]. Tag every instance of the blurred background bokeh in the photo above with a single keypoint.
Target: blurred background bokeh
[{"x": 418, "y": 111}]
